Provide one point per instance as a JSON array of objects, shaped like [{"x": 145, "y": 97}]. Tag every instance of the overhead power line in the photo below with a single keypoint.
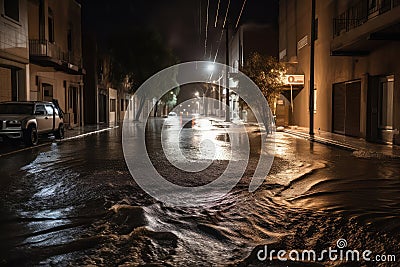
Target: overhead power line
[
  {"x": 216, "y": 16},
  {"x": 226, "y": 14},
  {"x": 205, "y": 39},
  {"x": 222, "y": 31},
  {"x": 241, "y": 11}
]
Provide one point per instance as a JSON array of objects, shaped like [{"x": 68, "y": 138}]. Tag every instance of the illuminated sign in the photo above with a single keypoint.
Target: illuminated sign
[{"x": 291, "y": 79}]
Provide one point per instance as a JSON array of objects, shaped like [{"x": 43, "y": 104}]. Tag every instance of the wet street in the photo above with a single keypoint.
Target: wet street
[{"x": 75, "y": 203}]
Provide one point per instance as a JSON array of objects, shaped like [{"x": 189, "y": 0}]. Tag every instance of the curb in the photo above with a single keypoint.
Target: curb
[
  {"x": 322, "y": 140},
  {"x": 358, "y": 151},
  {"x": 58, "y": 141},
  {"x": 87, "y": 134}
]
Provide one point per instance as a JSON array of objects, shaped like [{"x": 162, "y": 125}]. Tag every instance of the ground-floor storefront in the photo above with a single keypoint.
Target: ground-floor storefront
[
  {"x": 354, "y": 96},
  {"x": 47, "y": 84},
  {"x": 13, "y": 80}
]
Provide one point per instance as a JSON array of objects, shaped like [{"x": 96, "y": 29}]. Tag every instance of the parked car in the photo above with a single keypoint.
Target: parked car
[{"x": 28, "y": 120}]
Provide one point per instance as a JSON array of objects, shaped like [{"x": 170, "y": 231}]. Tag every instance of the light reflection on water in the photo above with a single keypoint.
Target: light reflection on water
[
  {"x": 201, "y": 141},
  {"x": 313, "y": 194},
  {"x": 316, "y": 188}
]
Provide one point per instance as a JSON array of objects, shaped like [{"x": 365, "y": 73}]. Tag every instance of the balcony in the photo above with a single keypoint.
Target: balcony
[
  {"x": 359, "y": 29},
  {"x": 49, "y": 54}
]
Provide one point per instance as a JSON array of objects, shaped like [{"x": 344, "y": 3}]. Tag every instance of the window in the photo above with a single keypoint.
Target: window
[
  {"x": 315, "y": 100},
  {"x": 386, "y": 103},
  {"x": 49, "y": 110},
  {"x": 40, "y": 110},
  {"x": 122, "y": 104},
  {"x": 42, "y": 19},
  {"x": 112, "y": 105},
  {"x": 371, "y": 4},
  {"x": 47, "y": 91},
  {"x": 51, "y": 25},
  {"x": 372, "y": 7},
  {"x": 11, "y": 9},
  {"x": 69, "y": 39}
]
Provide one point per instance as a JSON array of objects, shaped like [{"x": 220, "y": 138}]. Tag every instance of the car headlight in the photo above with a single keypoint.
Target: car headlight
[{"x": 13, "y": 123}]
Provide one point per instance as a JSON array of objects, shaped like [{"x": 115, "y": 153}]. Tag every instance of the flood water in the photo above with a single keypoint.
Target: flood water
[{"x": 75, "y": 203}]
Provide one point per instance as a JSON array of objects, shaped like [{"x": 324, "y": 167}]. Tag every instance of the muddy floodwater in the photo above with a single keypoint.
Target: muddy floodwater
[{"x": 75, "y": 203}]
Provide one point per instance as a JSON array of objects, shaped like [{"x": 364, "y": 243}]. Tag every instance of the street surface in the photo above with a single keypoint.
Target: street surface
[{"x": 75, "y": 203}]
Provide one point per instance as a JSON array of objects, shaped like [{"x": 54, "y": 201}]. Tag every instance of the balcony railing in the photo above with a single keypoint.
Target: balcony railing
[
  {"x": 360, "y": 13},
  {"x": 44, "y": 48}
]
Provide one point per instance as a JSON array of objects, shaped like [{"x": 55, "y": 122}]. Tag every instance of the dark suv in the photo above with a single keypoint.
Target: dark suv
[{"x": 26, "y": 120}]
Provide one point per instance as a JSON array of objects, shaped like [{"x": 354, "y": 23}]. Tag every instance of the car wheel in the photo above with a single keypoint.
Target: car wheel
[
  {"x": 31, "y": 136},
  {"x": 59, "y": 134}
]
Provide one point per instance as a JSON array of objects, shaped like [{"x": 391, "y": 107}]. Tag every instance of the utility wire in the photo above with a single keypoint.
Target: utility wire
[
  {"x": 200, "y": 30},
  {"x": 205, "y": 39},
  {"x": 241, "y": 11},
  {"x": 222, "y": 31},
  {"x": 219, "y": 44},
  {"x": 216, "y": 16},
  {"x": 226, "y": 14}
]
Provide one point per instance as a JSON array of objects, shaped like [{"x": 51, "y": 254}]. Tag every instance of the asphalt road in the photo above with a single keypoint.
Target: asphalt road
[{"x": 75, "y": 203}]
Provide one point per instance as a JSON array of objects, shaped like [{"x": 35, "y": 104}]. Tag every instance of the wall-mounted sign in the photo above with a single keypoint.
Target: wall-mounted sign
[
  {"x": 282, "y": 54},
  {"x": 302, "y": 42},
  {"x": 292, "y": 79}
]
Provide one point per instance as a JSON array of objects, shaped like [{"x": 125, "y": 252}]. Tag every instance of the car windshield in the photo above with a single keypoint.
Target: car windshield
[{"x": 11, "y": 108}]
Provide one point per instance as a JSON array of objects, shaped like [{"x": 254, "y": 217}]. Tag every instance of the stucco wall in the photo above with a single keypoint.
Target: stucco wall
[
  {"x": 295, "y": 22},
  {"x": 14, "y": 34}
]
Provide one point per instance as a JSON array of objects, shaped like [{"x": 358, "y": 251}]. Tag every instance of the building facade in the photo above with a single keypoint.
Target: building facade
[
  {"x": 104, "y": 103},
  {"x": 14, "y": 56},
  {"x": 55, "y": 52},
  {"x": 357, "y": 84}
]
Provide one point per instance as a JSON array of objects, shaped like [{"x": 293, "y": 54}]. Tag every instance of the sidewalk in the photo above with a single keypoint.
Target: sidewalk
[{"x": 358, "y": 145}]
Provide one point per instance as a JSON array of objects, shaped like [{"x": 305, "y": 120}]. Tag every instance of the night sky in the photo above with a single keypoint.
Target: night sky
[{"x": 181, "y": 23}]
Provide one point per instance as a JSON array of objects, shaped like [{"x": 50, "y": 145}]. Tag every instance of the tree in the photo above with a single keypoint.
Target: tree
[
  {"x": 266, "y": 72},
  {"x": 136, "y": 55}
]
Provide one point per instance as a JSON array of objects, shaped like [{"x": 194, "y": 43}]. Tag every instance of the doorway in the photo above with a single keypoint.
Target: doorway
[
  {"x": 385, "y": 109},
  {"x": 73, "y": 104},
  {"x": 102, "y": 108},
  {"x": 47, "y": 90},
  {"x": 346, "y": 106}
]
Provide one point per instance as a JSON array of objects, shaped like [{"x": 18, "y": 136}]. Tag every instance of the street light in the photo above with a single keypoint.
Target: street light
[
  {"x": 197, "y": 94},
  {"x": 210, "y": 67}
]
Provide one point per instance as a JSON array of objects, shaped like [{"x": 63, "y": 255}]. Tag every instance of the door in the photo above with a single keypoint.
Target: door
[
  {"x": 50, "y": 115},
  {"x": 346, "y": 108},
  {"x": 339, "y": 107},
  {"x": 44, "y": 120},
  {"x": 385, "y": 109},
  {"x": 386, "y": 90},
  {"x": 73, "y": 105},
  {"x": 353, "y": 99},
  {"x": 102, "y": 108}
]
